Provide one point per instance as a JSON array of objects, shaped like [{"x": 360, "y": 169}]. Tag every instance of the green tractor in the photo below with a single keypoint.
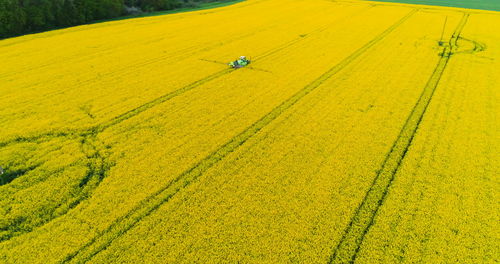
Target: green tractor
[{"x": 240, "y": 63}]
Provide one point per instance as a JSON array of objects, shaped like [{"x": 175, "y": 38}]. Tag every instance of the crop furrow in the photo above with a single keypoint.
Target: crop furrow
[
  {"x": 360, "y": 223},
  {"x": 154, "y": 201}
]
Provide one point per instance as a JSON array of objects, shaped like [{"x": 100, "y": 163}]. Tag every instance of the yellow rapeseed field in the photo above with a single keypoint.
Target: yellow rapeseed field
[{"x": 361, "y": 132}]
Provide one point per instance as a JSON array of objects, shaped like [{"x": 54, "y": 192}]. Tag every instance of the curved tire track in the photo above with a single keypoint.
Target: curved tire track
[{"x": 98, "y": 163}]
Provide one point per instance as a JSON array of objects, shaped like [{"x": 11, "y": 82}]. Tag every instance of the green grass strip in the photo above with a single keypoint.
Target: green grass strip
[
  {"x": 493, "y": 5},
  {"x": 199, "y": 7}
]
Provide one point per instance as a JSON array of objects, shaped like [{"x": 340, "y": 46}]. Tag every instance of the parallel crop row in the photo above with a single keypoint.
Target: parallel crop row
[
  {"x": 155, "y": 201},
  {"x": 294, "y": 181},
  {"x": 133, "y": 142},
  {"x": 441, "y": 206},
  {"x": 118, "y": 67},
  {"x": 98, "y": 165},
  {"x": 363, "y": 218},
  {"x": 93, "y": 213}
]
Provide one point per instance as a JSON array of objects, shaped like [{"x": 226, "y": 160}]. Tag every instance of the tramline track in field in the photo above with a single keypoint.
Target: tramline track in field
[
  {"x": 153, "y": 202},
  {"x": 133, "y": 112},
  {"x": 350, "y": 243},
  {"x": 123, "y": 46},
  {"x": 175, "y": 56},
  {"x": 196, "y": 50},
  {"x": 97, "y": 162}
]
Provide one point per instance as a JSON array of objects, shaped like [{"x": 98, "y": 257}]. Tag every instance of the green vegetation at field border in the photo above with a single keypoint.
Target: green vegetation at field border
[
  {"x": 492, "y": 5},
  {"x": 200, "y": 7},
  {"x": 350, "y": 243},
  {"x": 153, "y": 202}
]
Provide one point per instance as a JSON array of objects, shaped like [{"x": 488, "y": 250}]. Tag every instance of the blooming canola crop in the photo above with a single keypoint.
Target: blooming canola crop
[{"x": 133, "y": 141}]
